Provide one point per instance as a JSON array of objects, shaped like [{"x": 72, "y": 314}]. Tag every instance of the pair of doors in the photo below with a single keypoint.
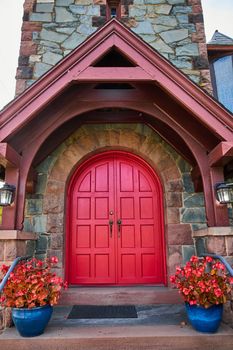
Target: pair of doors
[{"x": 115, "y": 222}]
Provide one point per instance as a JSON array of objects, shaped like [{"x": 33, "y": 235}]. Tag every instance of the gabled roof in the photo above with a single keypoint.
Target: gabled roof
[
  {"x": 148, "y": 66},
  {"x": 220, "y": 39}
]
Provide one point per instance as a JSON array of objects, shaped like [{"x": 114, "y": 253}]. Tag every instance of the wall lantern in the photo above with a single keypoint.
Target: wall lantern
[
  {"x": 224, "y": 192},
  {"x": 7, "y": 194}
]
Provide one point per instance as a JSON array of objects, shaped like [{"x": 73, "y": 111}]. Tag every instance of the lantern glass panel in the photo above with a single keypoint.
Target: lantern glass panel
[
  {"x": 6, "y": 195},
  {"x": 224, "y": 193}
]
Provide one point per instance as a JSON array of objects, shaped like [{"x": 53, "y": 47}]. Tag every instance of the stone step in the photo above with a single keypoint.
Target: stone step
[
  {"x": 146, "y": 337},
  {"x": 146, "y": 295}
]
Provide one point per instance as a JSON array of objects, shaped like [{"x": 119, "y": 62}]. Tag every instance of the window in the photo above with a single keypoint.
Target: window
[
  {"x": 113, "y": 9},
  {"x": 222, "y": 76}
]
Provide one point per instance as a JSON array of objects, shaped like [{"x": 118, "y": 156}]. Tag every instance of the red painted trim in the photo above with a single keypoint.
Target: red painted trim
[
  {"x": 197, "y": 150},
  {"x": 9, "y": 155},
  {"x": 81, "y": 166},
  {"x": 221, "y": 154},
  {"x": 114, "y": 74},
  {"x": 202, "y": 106}
]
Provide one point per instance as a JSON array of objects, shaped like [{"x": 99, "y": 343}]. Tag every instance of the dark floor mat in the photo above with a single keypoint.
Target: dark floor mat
[{"x": 103, "y": 311}]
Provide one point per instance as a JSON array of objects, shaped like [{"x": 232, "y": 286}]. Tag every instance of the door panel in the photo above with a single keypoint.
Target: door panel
[
  {"x": 139, "y": 249},
  {"x": 121, "y": 189},
  {"x": 93, "y": 255}
]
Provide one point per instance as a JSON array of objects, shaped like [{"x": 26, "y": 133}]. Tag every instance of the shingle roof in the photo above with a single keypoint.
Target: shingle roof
[{"x": 220, "y": 39}]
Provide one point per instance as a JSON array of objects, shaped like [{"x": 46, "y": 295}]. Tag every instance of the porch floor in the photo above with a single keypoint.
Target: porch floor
[{"x": 159, "y": 326}]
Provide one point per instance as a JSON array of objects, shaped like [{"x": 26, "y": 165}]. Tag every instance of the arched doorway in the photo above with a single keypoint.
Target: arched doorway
[{"x": 115, "y": 222}]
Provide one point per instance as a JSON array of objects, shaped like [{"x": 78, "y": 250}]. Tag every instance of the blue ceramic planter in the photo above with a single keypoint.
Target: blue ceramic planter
[
  {"x": 205, "y": 320},
  {"x": 31, "y": 322}
]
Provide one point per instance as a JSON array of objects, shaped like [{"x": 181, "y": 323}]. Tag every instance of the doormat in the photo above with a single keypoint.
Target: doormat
[{"x": 103, "y": 311}]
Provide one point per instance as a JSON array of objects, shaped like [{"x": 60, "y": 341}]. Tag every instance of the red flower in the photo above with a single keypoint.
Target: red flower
[
  {"x": 218, "y": 292},
  {"x": 209, "y": 259},
  {"x": 194, "y": 259},
  {"x": 32, "y": 284},
  {"x": 199, "y": 285},
  {"x": 218, "y": 265},
  {"x": 54, "y": 260}
]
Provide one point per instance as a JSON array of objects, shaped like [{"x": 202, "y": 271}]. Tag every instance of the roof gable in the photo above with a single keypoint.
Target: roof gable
[
  {"x": 220, "y": 39},
  {"x": 150, "y": 66}
]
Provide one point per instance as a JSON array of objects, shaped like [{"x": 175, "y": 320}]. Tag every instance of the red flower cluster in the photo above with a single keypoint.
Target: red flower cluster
[
  {"x": 202, "y": 282},
  {"x": 32, "y": 284}
]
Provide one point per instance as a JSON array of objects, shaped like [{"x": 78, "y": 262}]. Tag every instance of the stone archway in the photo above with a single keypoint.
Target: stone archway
[{"x": 55, "y": 171}]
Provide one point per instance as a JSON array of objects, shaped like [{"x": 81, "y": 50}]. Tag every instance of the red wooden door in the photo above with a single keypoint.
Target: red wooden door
[{"x": 115, "y": 222}]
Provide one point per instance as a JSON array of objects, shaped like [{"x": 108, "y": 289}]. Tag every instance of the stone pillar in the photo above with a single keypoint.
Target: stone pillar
[
  {"x": 218, "y": 240},
  {"x": 12, "y": 245}
]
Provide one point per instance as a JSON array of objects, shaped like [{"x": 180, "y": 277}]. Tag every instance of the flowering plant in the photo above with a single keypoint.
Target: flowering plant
[
  {"x": 31, "y": 284},
  {"x": 202, "y": 282}
]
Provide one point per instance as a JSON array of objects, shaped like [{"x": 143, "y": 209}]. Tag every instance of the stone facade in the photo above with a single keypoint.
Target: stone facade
[
  {"x": 53, "y": 28},
  {"x": 218, "y": 240},
  {"x": 184, "y": 210},
  {"x": 16, "y": 243}
]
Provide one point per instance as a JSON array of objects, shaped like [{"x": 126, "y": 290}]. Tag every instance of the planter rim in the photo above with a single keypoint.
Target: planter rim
[
  {"x": 198, "y": 305},
  {"x": 31, "y": 308}
]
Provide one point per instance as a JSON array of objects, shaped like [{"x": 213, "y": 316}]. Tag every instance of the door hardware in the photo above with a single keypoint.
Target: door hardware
[
  {"x": 119, "y": 222},
  {"x": 110, "y": 224}
]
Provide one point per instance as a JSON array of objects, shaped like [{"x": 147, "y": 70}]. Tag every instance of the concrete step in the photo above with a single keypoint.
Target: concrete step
[
  {"x": 159, "y": 327},
  {"x": 147, "y": 295},
  {"x": 146, "y": 337}
]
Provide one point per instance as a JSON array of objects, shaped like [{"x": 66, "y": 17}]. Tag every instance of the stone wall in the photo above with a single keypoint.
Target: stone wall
[
  {"x": 14, "y": 244},
  {"x": 53, "y": 28},
  {"x": 184, "y": 210},
  {"x": 217, "y": 240}
]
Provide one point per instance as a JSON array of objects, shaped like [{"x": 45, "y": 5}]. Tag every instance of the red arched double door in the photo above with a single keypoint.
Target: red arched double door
[{"x": 115, "y": 222}]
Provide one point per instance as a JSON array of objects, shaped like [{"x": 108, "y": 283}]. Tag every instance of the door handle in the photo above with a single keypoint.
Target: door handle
[
  {"x": 110, "y": 225},
  {"x": 119, "y": 222}
]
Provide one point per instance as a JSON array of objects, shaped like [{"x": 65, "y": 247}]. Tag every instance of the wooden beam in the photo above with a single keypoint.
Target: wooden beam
[
  {"x": 113, "y": 73},
  {"x": 221, "y": 154},
  {"x": 184, "y": 118},
  {"x": 56, "y": 139},
  {"x": 9, "y": 156}
]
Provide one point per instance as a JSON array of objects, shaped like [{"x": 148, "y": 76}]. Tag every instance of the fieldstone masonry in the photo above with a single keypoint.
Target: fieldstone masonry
[
  {"x": 184, "y": 209},
  {"x": 53, "y": 28}
]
